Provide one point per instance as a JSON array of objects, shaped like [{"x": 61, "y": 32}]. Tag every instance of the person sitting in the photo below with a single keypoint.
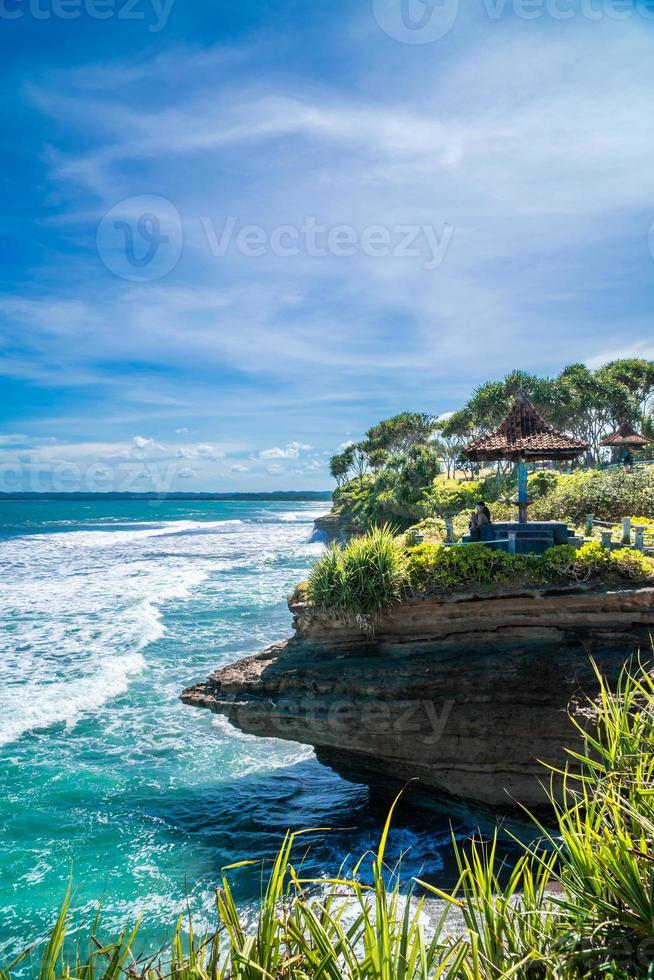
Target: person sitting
[{"x": 481, "y": 515}]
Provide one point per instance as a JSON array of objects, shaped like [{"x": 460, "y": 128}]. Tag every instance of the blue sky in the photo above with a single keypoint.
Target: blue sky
[{"x": 236, "y": 235}]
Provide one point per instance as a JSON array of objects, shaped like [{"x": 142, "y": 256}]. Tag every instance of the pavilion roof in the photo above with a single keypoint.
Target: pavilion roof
[
  {"x": 524, "y": 433},
  {"x": 625, "y": 436}
]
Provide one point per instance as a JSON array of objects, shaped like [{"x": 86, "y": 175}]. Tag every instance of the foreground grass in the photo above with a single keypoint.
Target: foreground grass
[{"x": 579, "y": 903}]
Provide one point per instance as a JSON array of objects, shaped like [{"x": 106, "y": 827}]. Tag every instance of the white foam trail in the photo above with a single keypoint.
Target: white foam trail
[
  {"x": 38, "y": 705},
  {"x": 299, "y": 517},
  {"x": 79, "y": 607},
  {"x": 114, "y": 537}
]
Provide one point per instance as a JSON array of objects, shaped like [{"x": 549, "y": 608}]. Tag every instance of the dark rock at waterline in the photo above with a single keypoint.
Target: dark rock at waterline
[
  {"x": 464, "y": 693},
  {"x": 331, "y": 527}
]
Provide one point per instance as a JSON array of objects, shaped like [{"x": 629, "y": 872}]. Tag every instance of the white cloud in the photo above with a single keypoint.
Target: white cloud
[
  {"x": 186, "y": 473},
  {"x": 497, "y": 136},
  {"x": 200, "y": 452},
  {"x": 181, "y": 432},
  {"x": 291, "y": 451},
  {"x": 12, "y": 439},
  {"x": 239, "y": 468},
  {"x": 275, "y": 468},
  {"x": 142, "y": 442},
  {"x": 208, "y": 452},
  {"x": 642, "y": 348}
]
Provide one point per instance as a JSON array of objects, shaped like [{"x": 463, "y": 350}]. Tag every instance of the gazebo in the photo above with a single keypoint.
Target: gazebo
[
  {"x": 523, "y": 436},
  {"x": 624, "y": 439}
]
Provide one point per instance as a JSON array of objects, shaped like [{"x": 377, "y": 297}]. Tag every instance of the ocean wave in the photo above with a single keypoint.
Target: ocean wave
[
  {"x": 36, "y": 704},
  {"x": 299, "y": 517},
  {"x": 113, "y": 537}
]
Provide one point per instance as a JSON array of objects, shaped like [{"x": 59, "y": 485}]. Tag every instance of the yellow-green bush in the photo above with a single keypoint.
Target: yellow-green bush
[
  {"x": 376, "y": 570},
  {"x": 436, "y": 568},
  {"x": 608, "y": 494}
]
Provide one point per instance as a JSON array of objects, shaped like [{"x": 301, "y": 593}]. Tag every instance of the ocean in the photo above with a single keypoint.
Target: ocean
[{"x": 108, "y": 610}]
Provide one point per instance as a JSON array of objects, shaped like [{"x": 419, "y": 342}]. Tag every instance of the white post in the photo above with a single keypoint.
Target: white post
[
  {"x": 626, "y": 530},
  {"x": 512, "y": 535},
  {"x": 589, "y": 524},
  {"x": 606, "y": 538},
  {"x": 449, "y": 529},
  {"x": 639, "y": 534}
]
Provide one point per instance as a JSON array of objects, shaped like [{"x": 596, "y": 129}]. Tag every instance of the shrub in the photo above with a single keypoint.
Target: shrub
[
  {"x": 608, "y": 494},
  {"x": 447, "y": 497},
  {"x": 557, "y": 563},
  {"x": 362, "y": 578},
  {"x": 435, "y": 568},
  {"x": 592, "y": 559},
  {"x": 632, "y": 565},
  {"x": 541, "y": 483},
  {"x": 376, "y": 570}
]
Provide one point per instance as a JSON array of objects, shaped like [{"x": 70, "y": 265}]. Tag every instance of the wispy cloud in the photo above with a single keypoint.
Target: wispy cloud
[{"x": 532, "y": 142}]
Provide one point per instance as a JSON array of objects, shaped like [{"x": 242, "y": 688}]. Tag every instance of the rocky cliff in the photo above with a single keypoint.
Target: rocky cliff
[
  {"x": 465, "y": 693},
  {"x": 332, "y": 528}
]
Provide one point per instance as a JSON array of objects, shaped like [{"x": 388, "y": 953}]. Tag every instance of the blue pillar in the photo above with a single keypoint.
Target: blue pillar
[{"x": 522, "y": 492}]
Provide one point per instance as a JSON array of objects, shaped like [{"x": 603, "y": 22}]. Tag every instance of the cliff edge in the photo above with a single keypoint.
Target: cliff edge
[{"x": 465, "y": 693}]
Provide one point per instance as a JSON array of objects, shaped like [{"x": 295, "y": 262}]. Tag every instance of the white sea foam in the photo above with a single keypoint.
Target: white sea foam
[
  {"x": 37, "y": 705},
  {"x": 299, "y": 517},
  {"x": 79, "y": 608}
]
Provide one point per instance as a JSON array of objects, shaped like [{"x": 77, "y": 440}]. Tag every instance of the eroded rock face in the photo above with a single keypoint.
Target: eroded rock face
[
  {"x": 331, "y": 528},
  {"x": 465, "y": 694}
]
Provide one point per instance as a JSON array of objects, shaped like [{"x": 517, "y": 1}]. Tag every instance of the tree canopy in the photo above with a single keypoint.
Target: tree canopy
[{"x": 389, "y": 475}]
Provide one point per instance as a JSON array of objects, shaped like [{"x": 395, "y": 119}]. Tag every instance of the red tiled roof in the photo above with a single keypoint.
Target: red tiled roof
[
  {"x": 625, "y": 436},
  {"x": 524, "y": 432}
]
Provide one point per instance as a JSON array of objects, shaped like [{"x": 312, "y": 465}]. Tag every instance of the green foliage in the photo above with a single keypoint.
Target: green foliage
[
  {"x": 433, "y": 568},
  {"x": 608, "y": 494},
  {"x": 632, "y": 565},
  {"x": 578, "y": 904},
  {"x": 401, "y": 433},
  {"x": 395, "y": 464},
  {"x": 362, "y": 578},
  {"x": 394, "y": 493},
  {"x": 341, "y": 464},
  {"x": 587, "y": 403},
  {"x": 447, "y": 497},
  {"x": 541, "y": 483},
  {"x": 377, "y": 569}
]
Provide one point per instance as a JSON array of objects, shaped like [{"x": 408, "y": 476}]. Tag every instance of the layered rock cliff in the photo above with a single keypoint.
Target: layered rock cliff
[
  {"x": 464, "y": 693},
  {"x": 331, "y": 527}
]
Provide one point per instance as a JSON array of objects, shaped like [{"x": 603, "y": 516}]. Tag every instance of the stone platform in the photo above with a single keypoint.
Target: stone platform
[{"x": 533, "y": 538}]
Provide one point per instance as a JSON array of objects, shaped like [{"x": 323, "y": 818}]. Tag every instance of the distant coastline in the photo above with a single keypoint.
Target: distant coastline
[{"x": 299, "y": 495}]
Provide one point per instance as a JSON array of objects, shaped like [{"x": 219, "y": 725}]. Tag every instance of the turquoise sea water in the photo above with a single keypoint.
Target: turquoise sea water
[{"x": 109, "y": 609}]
